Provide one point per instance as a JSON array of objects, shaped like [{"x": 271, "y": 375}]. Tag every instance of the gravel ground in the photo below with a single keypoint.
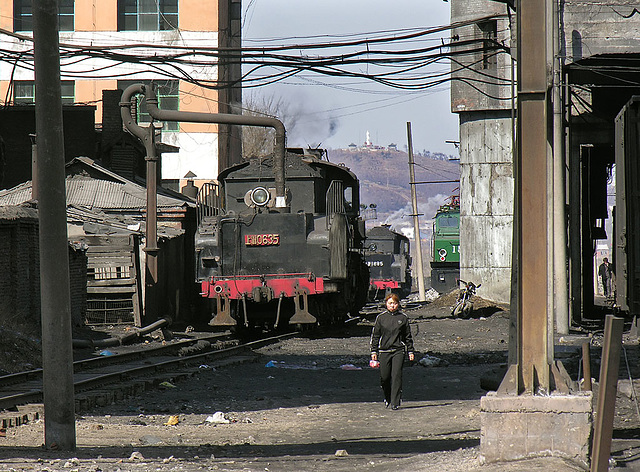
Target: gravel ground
[{"x": 313, "y": 404}]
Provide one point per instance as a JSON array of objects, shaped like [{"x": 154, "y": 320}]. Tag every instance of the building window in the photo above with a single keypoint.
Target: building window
[
  {"x": 147, "y": 15},
  {"x": 489, "y": 36},
  {"x": 23, "y": 15},
  {"x": 24, "y": 92},
  {"x": 168, "y": 99}
]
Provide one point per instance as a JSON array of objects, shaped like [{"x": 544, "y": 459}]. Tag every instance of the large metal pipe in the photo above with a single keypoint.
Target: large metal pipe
[
  {"x": 130, "y": 337},
  {"x": 147, "y": 136},
  {"x": 229, "y": 119}
]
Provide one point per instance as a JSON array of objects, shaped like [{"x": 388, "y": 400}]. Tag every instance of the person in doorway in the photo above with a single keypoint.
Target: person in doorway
[
  {"x": 605, "y": 272},
  {"x": 390, "y": 338}
]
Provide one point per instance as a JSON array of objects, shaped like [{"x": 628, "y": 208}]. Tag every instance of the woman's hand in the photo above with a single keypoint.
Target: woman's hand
[
  {"x": 411, "y": 356},
  {"x": 374, "y": 356}
]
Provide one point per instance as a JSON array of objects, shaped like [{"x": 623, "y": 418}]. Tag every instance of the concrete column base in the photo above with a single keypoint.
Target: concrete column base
[{"x": 521, "y": 426}]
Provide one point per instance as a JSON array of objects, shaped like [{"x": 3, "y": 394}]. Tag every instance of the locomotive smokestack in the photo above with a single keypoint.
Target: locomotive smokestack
[{"x": 219, "y": 118}]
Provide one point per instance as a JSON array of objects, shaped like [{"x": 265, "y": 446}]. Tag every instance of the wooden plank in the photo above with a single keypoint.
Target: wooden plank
[
  {"x": 101, "y": 249},
  {"x": 603, "y": 429},
  {"x": 137, "y": 296},
  {"x": 110, "y": 263},
  {"x": 105, "y": 240},
  {"x": 103, "y": 254},
  {"x": 108, "y": 255},
  {"x": 129, "y": 289},
  {"x": 110, "y": 282}
]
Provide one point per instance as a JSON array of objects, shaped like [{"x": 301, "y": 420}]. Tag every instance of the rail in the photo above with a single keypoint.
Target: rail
[{"x": 17, "y": 390}]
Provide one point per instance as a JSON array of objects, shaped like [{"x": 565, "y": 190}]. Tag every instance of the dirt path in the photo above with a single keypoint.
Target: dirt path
[{"x": 305, "y": 404}]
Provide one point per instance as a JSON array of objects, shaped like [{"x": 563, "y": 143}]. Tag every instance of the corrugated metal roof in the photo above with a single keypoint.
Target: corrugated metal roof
[
  {"x": 92, "y": 193},
  {"x": 96, "y": 193}
]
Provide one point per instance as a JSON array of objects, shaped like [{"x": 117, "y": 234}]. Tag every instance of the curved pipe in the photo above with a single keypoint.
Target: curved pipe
[
  {"x": 127, "y": 118},
  {"x": 218, "y": 118},
  {"x": 121, "y": 340}
]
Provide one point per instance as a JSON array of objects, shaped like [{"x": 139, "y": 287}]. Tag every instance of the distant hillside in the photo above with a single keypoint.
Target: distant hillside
[{"x": 384, "y": 181}]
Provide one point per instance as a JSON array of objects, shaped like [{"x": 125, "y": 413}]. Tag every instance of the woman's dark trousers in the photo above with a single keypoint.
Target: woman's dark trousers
[{"x": 391, "y": 376}]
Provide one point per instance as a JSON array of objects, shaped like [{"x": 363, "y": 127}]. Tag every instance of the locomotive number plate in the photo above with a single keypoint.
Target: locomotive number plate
[{"x": 261, "y": 239}]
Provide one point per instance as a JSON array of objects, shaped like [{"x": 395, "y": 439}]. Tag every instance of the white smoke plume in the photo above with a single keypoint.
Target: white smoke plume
[{"x": 401, "y": 221}]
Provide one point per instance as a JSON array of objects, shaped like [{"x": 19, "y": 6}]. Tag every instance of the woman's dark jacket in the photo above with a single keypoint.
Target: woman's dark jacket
[{"x": 391, "y": 332}]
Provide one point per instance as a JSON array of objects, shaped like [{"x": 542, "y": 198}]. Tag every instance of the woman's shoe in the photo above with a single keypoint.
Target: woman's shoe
[
  {"x": 395, "y": 407},
  {"x": 386, "y": 404}
]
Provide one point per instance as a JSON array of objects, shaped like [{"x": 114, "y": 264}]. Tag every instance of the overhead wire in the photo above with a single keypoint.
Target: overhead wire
[{"x": 405, "y": 68}]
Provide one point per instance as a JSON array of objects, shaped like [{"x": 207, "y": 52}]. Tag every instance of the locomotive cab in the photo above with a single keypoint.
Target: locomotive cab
[{"x": 445, "y": 250}]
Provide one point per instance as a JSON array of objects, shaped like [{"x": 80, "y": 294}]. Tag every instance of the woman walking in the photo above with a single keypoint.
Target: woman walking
[{"x": 390, "y": 337}]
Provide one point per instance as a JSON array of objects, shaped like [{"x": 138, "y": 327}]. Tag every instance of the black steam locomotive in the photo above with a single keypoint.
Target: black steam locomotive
[
  {"x": 389, "y": 260},
  {"x": 298, "y": 260}
]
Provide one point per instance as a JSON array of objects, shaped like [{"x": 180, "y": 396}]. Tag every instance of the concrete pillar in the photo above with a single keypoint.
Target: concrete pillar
[{"x": 518, "y": 427}]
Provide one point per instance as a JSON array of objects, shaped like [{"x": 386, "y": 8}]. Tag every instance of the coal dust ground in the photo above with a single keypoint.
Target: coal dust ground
[{"x": 312, "y": 403}]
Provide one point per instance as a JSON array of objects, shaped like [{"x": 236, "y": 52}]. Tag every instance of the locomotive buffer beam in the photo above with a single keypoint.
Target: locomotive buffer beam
[
  {"x": 223, "y": 313},
  {"x": 301, "y": 314}
]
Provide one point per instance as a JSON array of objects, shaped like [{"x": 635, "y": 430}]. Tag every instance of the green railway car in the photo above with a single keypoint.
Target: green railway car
[{"x": 445, "y": 253}]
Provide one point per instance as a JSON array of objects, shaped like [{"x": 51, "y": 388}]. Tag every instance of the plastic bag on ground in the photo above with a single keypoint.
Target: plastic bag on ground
[
  {"x": 432, "y": 361},
  {"x": 217, "y": 418}
]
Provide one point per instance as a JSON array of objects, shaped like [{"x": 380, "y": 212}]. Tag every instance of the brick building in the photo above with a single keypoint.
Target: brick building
[{"x": 110, "y": 44}]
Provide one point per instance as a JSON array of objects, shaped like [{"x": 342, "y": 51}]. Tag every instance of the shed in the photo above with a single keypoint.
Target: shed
[{"x": 106, "y": 212}]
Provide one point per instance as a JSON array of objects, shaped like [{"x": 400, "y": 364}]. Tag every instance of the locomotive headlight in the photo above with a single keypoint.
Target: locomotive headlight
[{"x": 260, "y": 196}]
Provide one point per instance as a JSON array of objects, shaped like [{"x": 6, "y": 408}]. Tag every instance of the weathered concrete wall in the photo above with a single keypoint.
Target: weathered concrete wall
[
  {"x": 482, "y": 79},
  {"x": 481, "y": 95},
  {"x": 604, "y": 27},
  {"x": 486, "y": 202}
]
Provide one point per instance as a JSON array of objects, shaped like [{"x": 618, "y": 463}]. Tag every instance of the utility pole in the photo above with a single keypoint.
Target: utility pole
[
  {"x": 57, "y": 353},
  {"x": 416, "y": 223}
]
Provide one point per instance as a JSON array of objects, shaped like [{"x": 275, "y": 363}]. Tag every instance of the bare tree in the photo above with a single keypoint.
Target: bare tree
[{"x": 257, "y": 141}]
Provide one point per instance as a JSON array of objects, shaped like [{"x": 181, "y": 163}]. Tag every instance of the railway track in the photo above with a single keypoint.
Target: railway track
[{"x": 101, "y": 380}]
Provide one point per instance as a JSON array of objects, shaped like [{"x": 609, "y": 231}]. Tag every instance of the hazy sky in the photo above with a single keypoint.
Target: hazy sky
[{"x": 336, "y": 111}]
